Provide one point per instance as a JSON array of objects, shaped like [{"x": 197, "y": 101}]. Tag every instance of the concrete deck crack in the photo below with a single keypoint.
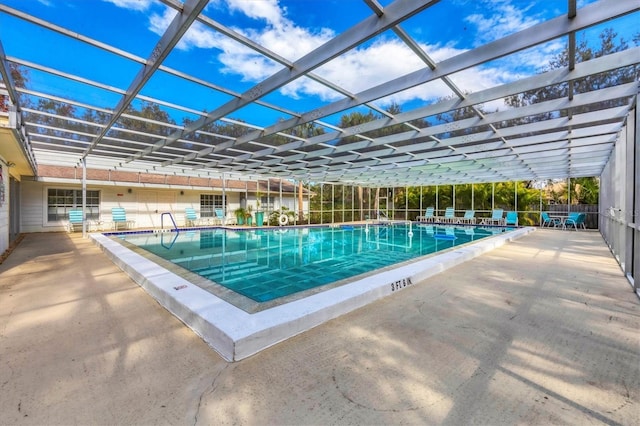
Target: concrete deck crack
[{"x": 209, "y": 390}]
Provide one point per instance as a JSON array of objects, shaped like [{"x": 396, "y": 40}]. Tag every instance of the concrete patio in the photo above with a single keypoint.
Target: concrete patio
[{"x": 544, "y": 330}]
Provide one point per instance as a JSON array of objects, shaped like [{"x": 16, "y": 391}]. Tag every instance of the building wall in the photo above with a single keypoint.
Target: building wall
[{"x": 144, "y": 203}]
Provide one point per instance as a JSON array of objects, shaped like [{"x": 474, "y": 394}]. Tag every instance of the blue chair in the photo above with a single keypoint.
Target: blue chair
[
  {"x": 119, "y": 217},
  {"x": 469, "y": 217},
  {"x": 548, "y": 221},
  {"x": 449, "y": 216},
  {"x": 511, "y": 219},
  {"x": 576, "y": 220},
  {"x": 190, "y": 217},
  {"x": 495, "y": 219},
  {"x": 75, "y": 220},
  {"x": 220, "y": 219},
  {"x": 428, "y": 215}
]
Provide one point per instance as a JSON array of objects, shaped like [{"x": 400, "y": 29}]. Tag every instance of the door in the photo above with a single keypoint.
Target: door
[{"x": 151, "y": 204}]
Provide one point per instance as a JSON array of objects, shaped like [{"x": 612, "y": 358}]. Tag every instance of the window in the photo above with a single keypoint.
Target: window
[
  {"x": 266, "y": 203},
  {"x": 208, "y": 204},
  {"x": 60, "y": 201}
]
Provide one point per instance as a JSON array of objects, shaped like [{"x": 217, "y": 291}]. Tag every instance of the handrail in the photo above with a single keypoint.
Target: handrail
[{"x": 175, "y": 227}]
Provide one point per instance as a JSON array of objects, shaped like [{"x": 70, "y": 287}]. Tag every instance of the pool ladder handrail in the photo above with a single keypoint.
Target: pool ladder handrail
[{"x": 162, "y": 215}]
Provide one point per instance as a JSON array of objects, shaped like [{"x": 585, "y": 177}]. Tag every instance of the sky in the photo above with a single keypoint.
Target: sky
[{"x": 288, "y": 28}]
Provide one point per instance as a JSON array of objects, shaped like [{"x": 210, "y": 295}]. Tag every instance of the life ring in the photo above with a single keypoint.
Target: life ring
[{"x": 283, "y": 220}]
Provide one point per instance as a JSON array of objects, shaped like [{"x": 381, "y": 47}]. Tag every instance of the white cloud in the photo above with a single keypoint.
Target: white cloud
[
  {"x": 379, "y": 63},
  {"x": 268, "y": 10},
  {"x": 139, "y": 5},
  {"x": 376, "y": 63},
  {"x": 504, "y": 19},
  {"x": 197, "y": 36}
]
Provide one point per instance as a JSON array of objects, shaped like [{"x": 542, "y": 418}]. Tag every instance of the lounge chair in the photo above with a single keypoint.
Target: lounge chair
[
  {"x": 119, "y": 217},
  {"x": 449, "y": 216},
  {"x": 495, "y": 219},
  {"x": 220, "y": 218},
  {"x": 75, "y": 220},
  {"x": 190, "y": 217},
  {"x": 511, "y": 219},
  {"x": 469, "y": 217},
  {"x": 576, "y": 220},
  {"x": 428, "y": 215}
]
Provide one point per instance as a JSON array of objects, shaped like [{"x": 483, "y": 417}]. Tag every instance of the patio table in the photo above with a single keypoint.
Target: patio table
[{"x": 562, "y": 218}]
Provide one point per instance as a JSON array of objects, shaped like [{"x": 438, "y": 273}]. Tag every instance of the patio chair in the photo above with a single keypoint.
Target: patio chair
[
  {"x": 469, "y": 217},
  {"x": 548, "y": 221},
  {"x": 428, "y": 215},
  {"x": 576, "y": 220},
  {"x": 449, "y": 216},
  {"x": 495, "y": 219},
  {"x": 75, "y": 220},
  {"x": 220, "y": 218},
  {"x": 190, "y": 217},
  {"x": 511, "y": 219},
  {"x": 119, "y": 217}
]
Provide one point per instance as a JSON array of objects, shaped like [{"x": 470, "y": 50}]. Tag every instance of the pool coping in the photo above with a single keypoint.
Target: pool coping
[{"x": 236, "y": 334}]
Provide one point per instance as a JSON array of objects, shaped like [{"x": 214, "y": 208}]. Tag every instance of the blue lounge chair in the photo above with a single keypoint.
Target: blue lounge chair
[
  {"x": 220, "y": 219},
  {"x": 576, "y": 220},
  {"x": 469, "y": 217},
  {"x": 495, "y": 219},
  {"x": 449, "y": 216},
  {"x": 428, "y": 215},
  {"x": 511, "y": 219},
  {"x": 190, "y": 217},
  {"x": 75, "y": 220},
  {"x": 119, "y": 217}
]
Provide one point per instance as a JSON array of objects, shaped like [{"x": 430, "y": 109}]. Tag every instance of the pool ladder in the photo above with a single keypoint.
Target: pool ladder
[{"x": 162, "y": 215}]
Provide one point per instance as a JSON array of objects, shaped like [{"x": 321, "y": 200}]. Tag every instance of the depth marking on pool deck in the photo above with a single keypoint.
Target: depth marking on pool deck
[{"x": 236, "y": 334}]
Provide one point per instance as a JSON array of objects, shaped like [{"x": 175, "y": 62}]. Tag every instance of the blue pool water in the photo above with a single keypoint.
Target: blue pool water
[{"x": 267, "y": 264}]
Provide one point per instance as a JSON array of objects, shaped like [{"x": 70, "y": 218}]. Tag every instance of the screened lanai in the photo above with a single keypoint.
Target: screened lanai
[{"x": 394, "y": 94}]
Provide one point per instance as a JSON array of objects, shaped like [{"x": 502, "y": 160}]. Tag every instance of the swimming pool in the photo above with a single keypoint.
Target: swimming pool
[
  {"x": 264, "y": 265},
  {"x": 237, "y": 327}
]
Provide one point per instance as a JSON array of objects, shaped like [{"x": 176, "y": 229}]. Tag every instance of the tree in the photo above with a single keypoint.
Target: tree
[
  {"x": 608, "y": 44},
  {"x": 20, "y": 78},
  {"x": 585, "y": 190},
  {"x": 584, "y": 52},
  {"x": 461, "y": 114}
]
